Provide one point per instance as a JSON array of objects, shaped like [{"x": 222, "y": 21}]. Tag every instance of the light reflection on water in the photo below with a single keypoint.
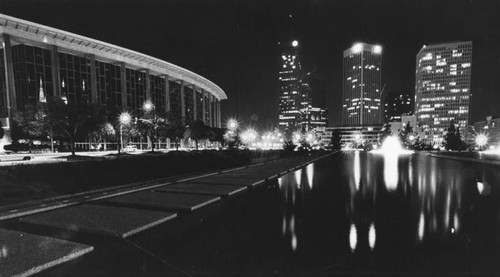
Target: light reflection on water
[
  {"x": 357, "y": 170},
  {"x": 372, "y": 236},
  {"x": 310, "y": 175},
  {"x": 391, "y": 171},
  {"x": 353, "y": 237},
  {"x": 431, "y": 196},
  {"x": 4, "y": 252},
  {"x": 291, "y": 187}
]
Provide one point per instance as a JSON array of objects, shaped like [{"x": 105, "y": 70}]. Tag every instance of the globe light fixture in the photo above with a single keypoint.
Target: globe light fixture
[
  {"x": 295, "y": 43},
  {"x": 232, "y": 124},
  {"x": 124, "y": 119},
  {"x": 481, "y": 140},
  {"x": 148, "y": 106}
]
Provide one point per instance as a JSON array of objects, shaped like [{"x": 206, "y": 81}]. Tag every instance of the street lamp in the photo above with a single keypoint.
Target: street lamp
[
  {"x": 481, "y": 140},
  {"x": 148, "y": 106},
  {"x": 124, "y": 119},
  {"x": 249, "y": 136},
  {"x": 232, "y": 124}
]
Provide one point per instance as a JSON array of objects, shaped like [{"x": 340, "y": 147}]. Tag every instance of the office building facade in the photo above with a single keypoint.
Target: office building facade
[
  {"x": 313, "y": 118},
  {"x": 396, "y": 104},
  {"x": 362, "y": 68},
  {"x": 442, "y": 88},
  {"x": 294, "y": 92},
  {"x": 38, "y": 61}
]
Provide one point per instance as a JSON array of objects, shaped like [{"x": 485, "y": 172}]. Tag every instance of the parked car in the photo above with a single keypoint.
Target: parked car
[{"x": 11, "y": 156}]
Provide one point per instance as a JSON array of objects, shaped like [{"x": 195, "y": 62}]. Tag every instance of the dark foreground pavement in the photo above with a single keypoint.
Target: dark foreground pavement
[{"x": 118, "y": 214}]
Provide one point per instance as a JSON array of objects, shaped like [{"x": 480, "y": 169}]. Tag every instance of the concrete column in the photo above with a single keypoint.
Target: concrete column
[
  {"x": 123, "y": 82},
  {"x": 9, "y": 77},
  {"x": 10, "y": 95},
  {"x": 219, "y": 118},
  {"x": 56, "y": 73},
  {"x": 216, "y": 115},
  {"x": 183, "y": 105},
  {"x": 93, "y": 80},
  {"x": 194, "y": 103},
  {"x": 203, "y": 104},
  {"x": 211, "y": 112},
  {"x": 148, "y": 85},
  {"x": 167, "y": 94}
]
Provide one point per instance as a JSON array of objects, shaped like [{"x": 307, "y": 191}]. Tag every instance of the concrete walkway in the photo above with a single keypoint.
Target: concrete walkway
[{"x": 128, "y": 211}]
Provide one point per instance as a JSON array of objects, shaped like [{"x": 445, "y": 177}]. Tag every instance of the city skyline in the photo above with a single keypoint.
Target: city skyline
[{"x": 241, "y": 54}]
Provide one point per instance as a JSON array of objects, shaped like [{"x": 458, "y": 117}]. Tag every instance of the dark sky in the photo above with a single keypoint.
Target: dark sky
[{"x": 235, "y": 43}]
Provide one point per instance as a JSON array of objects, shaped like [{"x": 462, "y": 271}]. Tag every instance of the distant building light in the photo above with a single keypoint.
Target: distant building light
[
  {"x": 377, "y": 49},
  {"x": 356, "y": 48}
]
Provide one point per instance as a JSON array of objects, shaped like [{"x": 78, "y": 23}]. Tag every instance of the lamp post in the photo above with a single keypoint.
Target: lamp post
[
  {"x": 232, "y": 125},
  {"x": 124, "y": 120}
]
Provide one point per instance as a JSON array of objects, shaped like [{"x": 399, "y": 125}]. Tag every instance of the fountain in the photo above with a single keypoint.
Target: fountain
[{"x": 391, "y": 146}]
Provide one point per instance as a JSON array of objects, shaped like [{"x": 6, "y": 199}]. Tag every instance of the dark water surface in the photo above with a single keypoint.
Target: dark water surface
[{"x": 351, "y": 213}]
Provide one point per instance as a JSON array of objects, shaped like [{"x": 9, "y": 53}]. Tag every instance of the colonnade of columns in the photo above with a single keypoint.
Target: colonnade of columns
[{"x": 213, "y": 119}]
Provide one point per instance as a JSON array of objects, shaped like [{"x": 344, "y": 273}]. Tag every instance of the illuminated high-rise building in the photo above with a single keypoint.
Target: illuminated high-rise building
[
  {"x": 362, "y": 85},
  {"x": 442, "y": 88},
  {"x": 294, "y": 93},
  {"x": 397, "y": 103}
]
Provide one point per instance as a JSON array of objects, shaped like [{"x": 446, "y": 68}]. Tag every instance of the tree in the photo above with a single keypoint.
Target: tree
[
  {"x": 452, "y": 140},
  {"x": 216, "y": 134},
  {"x": 36, "y": 122},
  {"x": 335, "y": 142},
  {"x": 175, "y": 130},
  {"x": 408, "y": 137},
  {"x": 196, "y": 131},
  {"x": 153, "y": 125},
  {"x": 289, "y": 146},
  {"x": 73, "y": 119},
  {"x": 231, "y": 138},
  {"x": 104, "y": 130}
]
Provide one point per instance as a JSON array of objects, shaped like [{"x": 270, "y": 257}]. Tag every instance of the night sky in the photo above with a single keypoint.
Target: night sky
[{"x": 235, "y": 43}]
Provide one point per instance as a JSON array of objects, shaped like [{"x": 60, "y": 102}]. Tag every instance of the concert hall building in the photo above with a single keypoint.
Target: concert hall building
[{"x": 38, "y": 61}]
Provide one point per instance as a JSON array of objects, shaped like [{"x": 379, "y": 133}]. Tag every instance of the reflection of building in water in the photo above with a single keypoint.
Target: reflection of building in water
[
  {"x": 434, "y": 196},
  {"x": 437, "y": 198},
  {"x": 361, "y": 205},
  {"x": 293, "y": 186}
]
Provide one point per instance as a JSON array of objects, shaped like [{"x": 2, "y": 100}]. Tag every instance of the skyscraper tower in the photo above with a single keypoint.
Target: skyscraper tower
[
  {"x": 362, "y": 85},
  {"x": 442, "y": 88},
  {"x": 294, "y": 95}
]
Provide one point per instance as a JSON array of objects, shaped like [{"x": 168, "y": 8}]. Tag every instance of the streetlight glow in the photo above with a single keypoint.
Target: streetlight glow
[
  {"x": 148, "y": 106},
  {"x": 124, "y": 119},
  {"x": 232, "y": 124},
  {"x": 295, "y": 43},
  {"x": 481, "y": 140}
]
